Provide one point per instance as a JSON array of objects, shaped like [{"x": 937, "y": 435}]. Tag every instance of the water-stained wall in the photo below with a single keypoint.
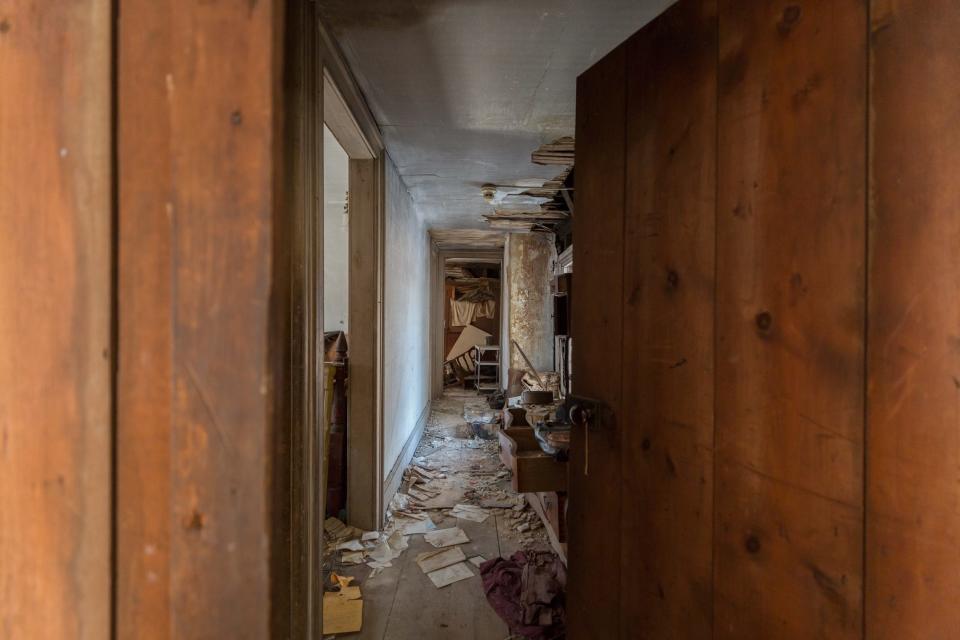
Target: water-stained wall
[{"x": 529, "y": 272}]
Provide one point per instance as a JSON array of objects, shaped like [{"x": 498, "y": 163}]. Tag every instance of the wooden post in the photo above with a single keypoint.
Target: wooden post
[
  {"x": 55, "y": 319},
  {"x": 202, "y": 444}
]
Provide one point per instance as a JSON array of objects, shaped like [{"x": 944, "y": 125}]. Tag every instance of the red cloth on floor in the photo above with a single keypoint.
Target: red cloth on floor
[{"x": 527, "y": 591}]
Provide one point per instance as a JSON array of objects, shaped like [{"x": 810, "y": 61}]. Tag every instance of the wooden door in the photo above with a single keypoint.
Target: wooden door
[
  {"x": 640, "y": 513},
  {"x": 720, "y": 243},
  {"x": 913, "y": 493},
  {"x": 597, "y": 326}
]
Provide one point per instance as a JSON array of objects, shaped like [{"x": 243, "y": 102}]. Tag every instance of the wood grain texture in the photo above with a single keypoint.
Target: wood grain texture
[
  {"x": 913, "y": 496},
  {"x": 790, "y": 320},
  {"x": 55, "y": 332},
  {"x": 302, "y": 194},
  {"x": 145, "y": 349},
  {"x": 668, "y": 344},
  {"x": 197, "y": 137},
  {"x": 594, "y": 511}
]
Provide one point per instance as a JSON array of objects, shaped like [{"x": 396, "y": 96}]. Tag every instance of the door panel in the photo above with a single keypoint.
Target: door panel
[
  {"x": 913, "y": 497},
  {"x": 790, "y": 320},
  {"x": 594, "y": 512},
  {"x": 668, "y": 292}
]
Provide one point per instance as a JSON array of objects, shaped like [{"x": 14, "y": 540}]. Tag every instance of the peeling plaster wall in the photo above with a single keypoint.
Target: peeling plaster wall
[
  {"x": 530, "y": 259},
  {"x": 406, "y": 384}
]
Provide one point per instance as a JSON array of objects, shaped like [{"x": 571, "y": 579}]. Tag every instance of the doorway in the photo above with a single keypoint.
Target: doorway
[{"x": 472, "y": 310}]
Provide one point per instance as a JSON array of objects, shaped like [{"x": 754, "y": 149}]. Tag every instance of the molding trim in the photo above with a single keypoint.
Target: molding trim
[
  {"x": 391, "y": 483},
  {"x": 336, "y": 66}
]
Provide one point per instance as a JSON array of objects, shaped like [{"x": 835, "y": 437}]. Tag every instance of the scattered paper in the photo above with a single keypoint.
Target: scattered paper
[
  {"x": 433, "y": 560},
  {"x": 477, "y": 560},
  {"x": 390, "y": 548},
  {"x": 379, "y": 565},
  {"x": 446, "y": 537},
  {"x": 350, "y": 545},
  {"x": 419, "y": 526},
  {"x": 370, "y": 535},
  {"x": 448, "y": 575},
  {"x": 352, "y": 557},
  {"x": 423, "y": 494},
  {"x": 398, "y": 541},
  {"x": 470, "y": 512},
  {"x": 341, "y": 615},
  {"x": 336, "y": 530}
]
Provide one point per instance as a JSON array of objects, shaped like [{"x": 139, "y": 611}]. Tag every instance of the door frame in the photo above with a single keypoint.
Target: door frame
[
  {"x": 323, "y": 91},
  {"x": 346, "y": 115},
  {"x": 438, "y": 259}
]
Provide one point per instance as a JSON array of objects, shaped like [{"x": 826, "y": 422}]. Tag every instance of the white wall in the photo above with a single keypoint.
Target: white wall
[
  {"x": 335, "y": 234},
  {"x": 406, "y": 357}
]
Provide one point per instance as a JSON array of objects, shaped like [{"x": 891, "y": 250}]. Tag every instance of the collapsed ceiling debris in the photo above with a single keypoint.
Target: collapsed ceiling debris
[{"x": 540, "y": 207}]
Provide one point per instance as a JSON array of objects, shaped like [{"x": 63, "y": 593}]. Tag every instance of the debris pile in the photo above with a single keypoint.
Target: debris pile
[{"x": 451, "y": 482}]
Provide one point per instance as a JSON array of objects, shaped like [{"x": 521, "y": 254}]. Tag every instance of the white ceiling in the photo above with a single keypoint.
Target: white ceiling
[{"x": 465, "y": 90}]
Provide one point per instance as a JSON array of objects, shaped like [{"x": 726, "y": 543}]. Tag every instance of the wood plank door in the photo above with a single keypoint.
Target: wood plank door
[
  {"x": 719, "y": 247},
  {"x": 640, "y": 512},
  {"x": 594, "y": 490}
]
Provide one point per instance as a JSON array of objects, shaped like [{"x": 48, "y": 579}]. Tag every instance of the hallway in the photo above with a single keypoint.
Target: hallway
[{"x": 400, "y": 602}]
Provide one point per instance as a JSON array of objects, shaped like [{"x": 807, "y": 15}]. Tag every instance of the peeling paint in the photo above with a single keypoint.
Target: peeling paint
[{"x": 531, "y": 301}]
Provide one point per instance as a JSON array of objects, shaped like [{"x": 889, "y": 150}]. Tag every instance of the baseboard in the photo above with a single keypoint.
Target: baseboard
[{"x": 391, "y": 484}]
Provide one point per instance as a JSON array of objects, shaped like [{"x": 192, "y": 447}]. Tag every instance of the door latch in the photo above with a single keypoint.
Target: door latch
[{"x": 592, "y": 414}]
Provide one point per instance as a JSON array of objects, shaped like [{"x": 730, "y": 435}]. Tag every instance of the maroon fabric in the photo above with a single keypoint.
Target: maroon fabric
[{"x": 527, "y": 591}]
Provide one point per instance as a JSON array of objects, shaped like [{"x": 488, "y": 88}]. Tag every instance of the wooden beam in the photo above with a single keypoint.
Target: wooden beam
[
  {"x": 202, "y": 519},
  {"x": 55, "y": 319}
]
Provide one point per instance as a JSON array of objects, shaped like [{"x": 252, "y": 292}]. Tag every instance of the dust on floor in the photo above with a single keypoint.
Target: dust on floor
[{"x": 456, "y": 463}]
